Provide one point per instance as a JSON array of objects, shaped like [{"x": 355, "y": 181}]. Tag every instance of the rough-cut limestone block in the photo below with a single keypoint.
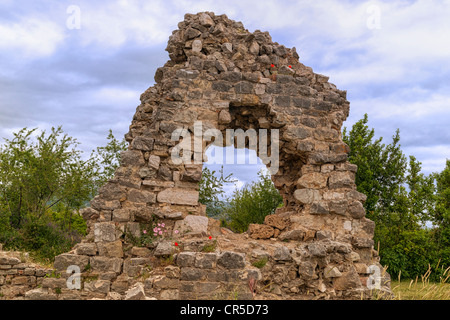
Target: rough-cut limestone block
[
  {"x": 260, "y": 231},
  {"x": 178, "y": 196},
  {"x": 307, "y": 196},
  {"x": 275, "y": 221},
  {"x": 191, "y": 224}
]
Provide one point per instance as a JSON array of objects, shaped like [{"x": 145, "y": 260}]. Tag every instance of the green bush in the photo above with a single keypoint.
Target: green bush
[
  {"x": 253, "y": 203},
  {"x": 44, "y": 181}
]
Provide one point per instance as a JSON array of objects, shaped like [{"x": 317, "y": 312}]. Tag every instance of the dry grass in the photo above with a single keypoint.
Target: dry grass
[{"x": 423, "y": 289}]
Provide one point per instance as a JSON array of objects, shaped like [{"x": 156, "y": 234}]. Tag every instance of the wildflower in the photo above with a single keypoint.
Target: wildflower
[
  {"x": 163, "y": 225},
  {"x": 144, "y": 231},
  {"x": 272, "y": 65},
  {"x": 160, "y": 233},
  {"x": 176, "y": 244},
  {"x": 159, "y": 224},
  {"x": 210, "y": 237},
  {"x": 176, "y": 231},
  {"x": 290, "y": 67}
]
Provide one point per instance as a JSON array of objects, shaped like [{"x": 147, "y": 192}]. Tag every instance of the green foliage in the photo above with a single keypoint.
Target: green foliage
[
  {"x": 260, "y": 263},
  {"x": 108, "y": 158},
  {"x": 402, "y": 202},
  {"x": 253, "y": 203},
  {"x": 44, "y": 181},
  {"x": 210, "y": 190}
]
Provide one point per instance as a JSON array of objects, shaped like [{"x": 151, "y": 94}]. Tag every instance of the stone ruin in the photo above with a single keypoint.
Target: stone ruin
[{"x": 319, "y": 245}]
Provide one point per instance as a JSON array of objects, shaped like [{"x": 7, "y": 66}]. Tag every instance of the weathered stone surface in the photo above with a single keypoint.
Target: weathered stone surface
[
  {"x": 275, "y": 221},
  {"x": 362, "y": 242},
  {"x": 86, "y": 249},
  {"x": 40, "y": 294},
  {"x": 186, "y": 259},
  {"x": 121, "y": 215},
  {"x": 197, "y": 45},
  {"x": 192, "y": 173},
  {"x": 297, "y": 234},
  {"x": 164, "y": 248},
  {"x": 306, "y": 196},
  {"x": 206, "y": 260},
  {"x": 282, "y": 254},
  {"x": 63, "y": 261},
  {"x": 104, "y": 264},
  {"x": 191, "y": 224},
  {"x": 136, "y": 292},
  {"x": 356, "y": 210},
  {"x": 105, "y": 231},
  {"x": 206, "y": 20},
  {"x": 224, "y": 117},
  {"x": 100, "y": 286},
  {"x": 312, "y": 180},
  {"x": 132, "y": 158},
  {"x": 260, "y": 231},
  {"x": 111, "y": 249},
  {"x": 141, "y": 196},
  {"x": 317, "y": 249},
  {"x": 338, "y": 207},
  {"x": 331, "y": 272},
  {"x": 4, "y": 259},
  {"x": 320, "y": 207},
  {"x": 178, "y": 196},
  {"x": 341, "y": 180},
  {"x": 231, "y": 260},
  {"x": 348, "y": 280}
]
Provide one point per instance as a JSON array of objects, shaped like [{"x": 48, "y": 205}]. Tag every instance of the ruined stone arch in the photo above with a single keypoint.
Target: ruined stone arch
[{"x": 226, "y": 77}]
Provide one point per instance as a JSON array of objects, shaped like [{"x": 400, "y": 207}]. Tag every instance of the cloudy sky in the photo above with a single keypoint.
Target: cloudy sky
[{"x": 83, "y": 64}]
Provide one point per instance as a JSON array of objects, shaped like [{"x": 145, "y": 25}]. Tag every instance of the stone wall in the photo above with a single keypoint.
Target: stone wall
[{"x": 221, "y": 76}]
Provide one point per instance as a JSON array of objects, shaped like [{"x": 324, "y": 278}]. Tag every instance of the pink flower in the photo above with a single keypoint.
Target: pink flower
[
  {"x": 176, "y": 231},
  {"x": 163, "y": 225},
  {"x": 159, "y": 224},
  {"x": 144, "y": 232},
  {"x": 160, "y": 233},
  {"x": 155, "y": 229}
]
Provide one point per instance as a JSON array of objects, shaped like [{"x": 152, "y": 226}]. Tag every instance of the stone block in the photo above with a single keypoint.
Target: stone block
[
  {"x": 105, "y": 264},
  {"x": 307, "y": 196},
  {"x": 178, "y": 196},
  {"x": 231, "y": 260},
  {"x": 275, "y": 221},
  {"x": 313, "y": 180},
  {"x": 260, "y": 231},
  {"x": 63, "y": 261}
]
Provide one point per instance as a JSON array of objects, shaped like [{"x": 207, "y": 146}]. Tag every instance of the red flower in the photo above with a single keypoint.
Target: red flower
[
  {"x": 290, "y": 67},
  {"x": 210, "y": 237},
  {"x": 272, "y": 65},
  {"x": 176, "y": 244}
]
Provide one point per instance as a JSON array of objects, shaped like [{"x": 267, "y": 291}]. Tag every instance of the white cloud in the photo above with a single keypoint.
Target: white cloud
[
  {"x": 408, "y": 104},
  {"x": 31, "y": 37},
  {"x": 115, "y": 23}
]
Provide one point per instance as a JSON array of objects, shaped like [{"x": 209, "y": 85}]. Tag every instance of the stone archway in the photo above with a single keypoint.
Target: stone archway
[{"x": 225, "y": 77}]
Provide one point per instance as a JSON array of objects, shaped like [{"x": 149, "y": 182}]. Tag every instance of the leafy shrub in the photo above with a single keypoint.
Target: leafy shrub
[{"x": 253, "y": 203}]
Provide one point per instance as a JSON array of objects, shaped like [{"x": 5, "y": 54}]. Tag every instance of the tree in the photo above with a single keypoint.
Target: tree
[
  {"x": 253, "y": 203},
  {"x": 400, "y": 200},
  {"x": 108, "y": 158},
  {"x": 210, "y": 190},
  {"x": 44, "y": 181},
  {"x": 35, "y": 176},
  {"x": 381, "y": 168},
  {"x": 441, "y": 213}
]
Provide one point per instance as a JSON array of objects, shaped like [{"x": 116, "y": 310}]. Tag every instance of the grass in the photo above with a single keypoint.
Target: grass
[{"x": 422, "y": 289}]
